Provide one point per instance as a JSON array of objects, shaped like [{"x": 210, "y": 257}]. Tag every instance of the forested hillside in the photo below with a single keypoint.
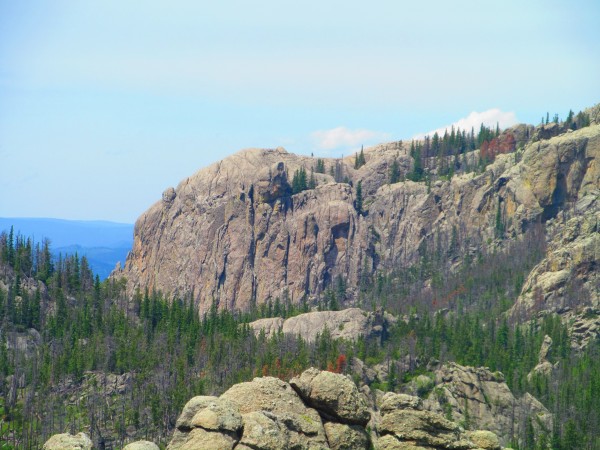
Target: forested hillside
[
  {"x": 501, "y": 272},
  {"x": 80, "y": 355}
]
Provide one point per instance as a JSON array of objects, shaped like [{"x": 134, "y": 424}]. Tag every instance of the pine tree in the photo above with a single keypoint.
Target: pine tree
[
  {"x": 358, "y": 203},
  {"x": 394, "y": 172},
  {"x": 312, "y": 182},
  {"x": 299, "y": 182},
  {"x": 320, "y": 166},
  {"x": 359, "y": 159}
]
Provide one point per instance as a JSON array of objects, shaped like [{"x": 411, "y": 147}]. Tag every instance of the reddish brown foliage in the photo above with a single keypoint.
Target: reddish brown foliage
[
  {"x": 340, "y": 366},
  {"x": 505, "y": 143}
]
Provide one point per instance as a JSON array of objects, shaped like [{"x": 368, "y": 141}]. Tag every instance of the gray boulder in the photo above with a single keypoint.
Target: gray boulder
[
  {"x": 141, "y": 445},
  {"x": 333, "y": 395},
  {"x": 66, "y": 441}
]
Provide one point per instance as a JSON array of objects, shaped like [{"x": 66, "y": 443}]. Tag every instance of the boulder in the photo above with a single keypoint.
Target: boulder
[
  {"x": 184, "y": 421},
  {"x": 333, "y": 394},
  {"x": 543, "y": 367},
  {"x": 214, "y": 422},
  {"x": 199, "y": 438},
  {"x": 392, "y": 401},
  {"x": 141, "y": 445},
  {"x": 346, "y": 437},
  {"x": 218, "y": 415},
  {"x": 66, "y": 441},
  {"x": 280, "y": 403},
  {"x": 423, "y": 427},
  {"x": 345, "y": 324},
  {"x": 485, "y": 440},
  {"x": 263, "y": 430}
]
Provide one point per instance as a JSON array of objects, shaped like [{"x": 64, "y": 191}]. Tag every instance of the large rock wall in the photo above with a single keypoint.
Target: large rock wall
[{"x": 234, "y": 233}]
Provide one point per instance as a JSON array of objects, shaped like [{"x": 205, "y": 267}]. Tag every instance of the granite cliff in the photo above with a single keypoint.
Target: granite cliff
[{"x": 234, "y": 232}]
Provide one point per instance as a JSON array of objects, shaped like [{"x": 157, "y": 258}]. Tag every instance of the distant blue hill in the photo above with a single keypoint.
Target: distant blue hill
[{"x": 103, "y": 243}]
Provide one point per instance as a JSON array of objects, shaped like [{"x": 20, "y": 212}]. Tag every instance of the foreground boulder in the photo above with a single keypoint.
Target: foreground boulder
[
  {"x": 333, "y": 395},
  {"x": 66, "y": 441},
  {"x": 314, "y": 411},
  {"x": 141, "y": 445}
]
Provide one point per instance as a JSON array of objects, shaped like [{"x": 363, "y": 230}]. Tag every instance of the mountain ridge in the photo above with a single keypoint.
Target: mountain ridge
[{"x": 234, "y": 233}]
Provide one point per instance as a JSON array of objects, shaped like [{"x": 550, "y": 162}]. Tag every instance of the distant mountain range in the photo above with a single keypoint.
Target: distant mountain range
[{"x": 103, "y": 243}]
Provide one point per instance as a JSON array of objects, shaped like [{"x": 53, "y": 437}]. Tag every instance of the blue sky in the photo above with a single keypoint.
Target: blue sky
[{"x": 104, "y": 104}]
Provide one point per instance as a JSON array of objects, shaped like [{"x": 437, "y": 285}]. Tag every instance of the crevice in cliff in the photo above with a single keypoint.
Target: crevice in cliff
[
  {"x": 285, "y": 258},
  {"x": 558, "y": 199}
]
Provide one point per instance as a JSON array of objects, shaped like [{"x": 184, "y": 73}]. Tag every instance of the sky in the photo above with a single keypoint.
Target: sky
[{"x": 104, "y": 104}]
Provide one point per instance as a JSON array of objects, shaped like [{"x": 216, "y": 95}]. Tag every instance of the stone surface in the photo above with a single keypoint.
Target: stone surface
[
  {"x": 348, "y": 324},
  {"x": 141, "y": 445},
  {"x": 423, "y": 427},
  {"x": 480, "y": 399},
  {"x": 322, "y": 410},
  {"x": 66, "y": 441},
  {"x": 567, "y": 281},
  {"x": 195, "y": 404},
  {"x": 332, "y": 394},
  {"x": 543, "y": 367},
  {"x": 485, "y": 440},
  {"x": 392, "y": 401},
  {"x": 281, "y": 404},
  {"x": 346, "y": 437},
  {"x": 219, "y": 415},
  {"x": 262, "y": 431},
  {"x": 199, "y": 438}
]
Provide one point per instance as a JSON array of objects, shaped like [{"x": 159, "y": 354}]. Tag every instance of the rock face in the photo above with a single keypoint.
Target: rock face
[
  {"x": 567, "y": 280},
  {"x": 233, "y": 232},
  {"x": 317, "y": 410},
  {"x": 346, "y": 324},
  {"x": 480, "y": 399}
]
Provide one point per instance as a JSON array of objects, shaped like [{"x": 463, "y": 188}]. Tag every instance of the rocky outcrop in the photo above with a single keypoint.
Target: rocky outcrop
[
  {"x": 543, "y": 367},
  {"x": 234, "y": 233},
  {"x": 66, "y": 441},
  {"x": 345, "y": 324},
  {"x": 316, "y": 410},
  {"x": 567, "y": 280},
  {"x": 415, "y": 428},
  {"x": 270, "y": 413},
  {"x": 479, "y": 399}
]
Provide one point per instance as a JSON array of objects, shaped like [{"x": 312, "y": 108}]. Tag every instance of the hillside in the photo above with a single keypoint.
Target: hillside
[{"x": 456, "y": 287}]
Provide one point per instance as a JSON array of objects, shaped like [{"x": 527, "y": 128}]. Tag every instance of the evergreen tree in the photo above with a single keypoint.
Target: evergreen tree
[
  {"x": 320, "y": 166},
  {"x": 359, "y": 159},
  {"x": 358, "y": 203},
  {"x": 299, "y": 182},
  {"x": 394, "y": 172},
  {"x": 312, "y": 182}
]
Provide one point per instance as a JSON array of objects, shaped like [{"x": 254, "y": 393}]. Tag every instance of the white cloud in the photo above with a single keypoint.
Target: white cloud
[
  {"x": 489, "y": 118},
  {"x": 342, "y": 137}
]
